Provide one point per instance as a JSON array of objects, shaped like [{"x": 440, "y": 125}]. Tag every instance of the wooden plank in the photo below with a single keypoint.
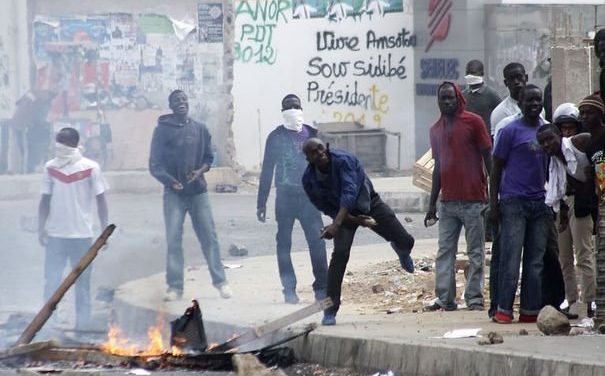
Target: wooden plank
[
  {"x": 27, "y": 349},
  {"x": 40, "y": 319},
  {"x": 273, "y": 326}
]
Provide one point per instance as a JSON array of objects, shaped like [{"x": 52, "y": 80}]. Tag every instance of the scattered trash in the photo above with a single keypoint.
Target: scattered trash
[
  {"x": 523, "y": 332},
  {"x": 461, "y": 333},
  {"x": 424, "y": 265},
  {"x": 389, "y": 373},
  {"x": 232, "y": 266},
  {"x": 408, "y": 219},
  {"x": 138, "y": 372},
  {"x": 237, "y": 250},
  {"x": 394, "y": 310},
  {"x": 586, "y": 322},
  {"x": 226, "y": 188},
  {"x": 493, "y": 338},
  {"x": 577, "y": 331},
  {"x": 377, "y": 289}
]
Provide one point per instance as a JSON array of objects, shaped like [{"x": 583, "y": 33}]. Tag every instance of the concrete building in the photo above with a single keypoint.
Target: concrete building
[{"x": 374, "y": 62}]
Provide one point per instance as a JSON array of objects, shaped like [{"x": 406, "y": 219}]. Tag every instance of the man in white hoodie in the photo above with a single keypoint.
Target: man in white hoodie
[
  {"x": 284, "y": 155},
  {"x": 70, "y": 185}
]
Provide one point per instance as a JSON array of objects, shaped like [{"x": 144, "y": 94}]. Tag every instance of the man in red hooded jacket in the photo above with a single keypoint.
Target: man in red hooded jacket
[{"x": 461, "y": 149}]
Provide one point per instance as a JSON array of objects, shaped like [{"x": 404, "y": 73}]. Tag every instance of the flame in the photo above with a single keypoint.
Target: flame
[{"x": 118, "y": 344}]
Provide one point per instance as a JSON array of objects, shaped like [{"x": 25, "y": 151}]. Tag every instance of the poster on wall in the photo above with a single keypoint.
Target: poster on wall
[
  {"x": 338, "y": 10},
  {"x": 210, "y": 22}
]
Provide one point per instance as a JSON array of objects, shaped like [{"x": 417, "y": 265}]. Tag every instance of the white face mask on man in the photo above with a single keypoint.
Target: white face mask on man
[
  {"x": 473, "y": 80},
  {"x": 293, "y": 119}
]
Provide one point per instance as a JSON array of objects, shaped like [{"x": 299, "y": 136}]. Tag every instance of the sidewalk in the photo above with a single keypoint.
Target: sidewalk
[
  {"x": 398, "y": 192},
  {"x": 401, "y": 342}
]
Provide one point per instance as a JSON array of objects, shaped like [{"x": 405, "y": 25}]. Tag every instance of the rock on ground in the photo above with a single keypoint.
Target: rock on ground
[
  {"x": 249, "y": 365},
  {"x": 552, "y": 322}
]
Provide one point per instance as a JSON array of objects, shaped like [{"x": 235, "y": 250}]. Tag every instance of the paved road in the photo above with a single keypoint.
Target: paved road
[{"x": 137, "y": 249}]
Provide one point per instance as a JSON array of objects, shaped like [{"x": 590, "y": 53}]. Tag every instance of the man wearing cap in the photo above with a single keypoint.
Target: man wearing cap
[
  {"x": 591, "y": 115},
  {"x": 572, "y": 193}
]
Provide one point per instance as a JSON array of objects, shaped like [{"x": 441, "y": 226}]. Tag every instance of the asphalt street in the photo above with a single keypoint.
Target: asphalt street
[{"x": 137, "y": 248}]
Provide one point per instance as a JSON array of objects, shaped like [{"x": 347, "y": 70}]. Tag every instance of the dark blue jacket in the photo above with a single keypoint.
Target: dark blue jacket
[
  {"x": 288, "y": 161},
  {"x": 176, "y": 150},
  {"x": 345, "y": 185}
]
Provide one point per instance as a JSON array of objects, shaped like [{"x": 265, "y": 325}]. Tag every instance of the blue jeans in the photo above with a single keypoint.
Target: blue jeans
[
  {"x": 198, "y": 207},
  {"x": 524, "y": 230},
  {"x": 452, "y": 216},
  {"x": 60, "y": 251},
  {"x": 290, "y": 206}
]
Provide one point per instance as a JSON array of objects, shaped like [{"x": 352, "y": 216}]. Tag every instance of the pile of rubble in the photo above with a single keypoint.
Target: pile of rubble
[{"x": 384, "y": 288}]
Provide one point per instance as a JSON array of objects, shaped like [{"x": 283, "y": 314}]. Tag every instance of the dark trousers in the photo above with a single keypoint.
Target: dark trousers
[
  {"x": 290, "y": 206},
  {"x": 493, "y": 269},
  {"x": 553, "y": 284},
  {"x": 388, "y": 226}
]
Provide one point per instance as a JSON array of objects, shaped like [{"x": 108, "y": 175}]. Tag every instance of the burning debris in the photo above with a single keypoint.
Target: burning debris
[{"x": 188, "y": 346}]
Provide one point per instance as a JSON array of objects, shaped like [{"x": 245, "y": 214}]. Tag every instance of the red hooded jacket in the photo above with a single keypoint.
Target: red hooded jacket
[{"x": 458, "y": 148}]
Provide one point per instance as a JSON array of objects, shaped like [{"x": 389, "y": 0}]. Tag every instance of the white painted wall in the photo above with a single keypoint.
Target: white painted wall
[{"x": 289, "y": 65}]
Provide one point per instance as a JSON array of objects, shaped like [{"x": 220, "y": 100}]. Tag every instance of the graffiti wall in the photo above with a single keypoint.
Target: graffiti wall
[{"x": 349, "y": 60}]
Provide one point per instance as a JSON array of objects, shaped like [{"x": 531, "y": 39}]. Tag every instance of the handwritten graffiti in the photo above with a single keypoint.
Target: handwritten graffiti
[
  {"x": 255, "y": 44},
  {"x": 254, "y": 37},
  {"x": 374, "y": 66},
  {"x": 372, "y": 99},
  {"x": 359, "y": 117}
]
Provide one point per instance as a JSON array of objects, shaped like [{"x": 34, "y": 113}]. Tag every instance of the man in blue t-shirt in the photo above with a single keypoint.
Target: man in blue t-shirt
[
  {"x": 517, "y": 202},
  {"x": 284, "y": 155}
]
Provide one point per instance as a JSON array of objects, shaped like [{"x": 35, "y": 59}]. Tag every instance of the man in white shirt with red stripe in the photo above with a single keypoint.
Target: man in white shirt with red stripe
[{"x": 70, "y": 185}]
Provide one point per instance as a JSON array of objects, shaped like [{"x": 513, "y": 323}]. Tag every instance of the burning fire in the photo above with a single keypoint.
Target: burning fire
[{"x": 118, "y": 344}]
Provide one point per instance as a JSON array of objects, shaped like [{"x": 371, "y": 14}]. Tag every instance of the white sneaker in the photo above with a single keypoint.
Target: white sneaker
[
  {"x": 172, "y": 295},
  {"x": 225, "y": 291}
]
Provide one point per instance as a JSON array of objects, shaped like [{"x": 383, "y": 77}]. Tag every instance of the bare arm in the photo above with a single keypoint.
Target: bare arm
[
  {"x": 431, "y": 214},
  {"x": 487, "y": 160},
  {"x": 102, "y": 210},
  {"x": 43, "y": 212}
]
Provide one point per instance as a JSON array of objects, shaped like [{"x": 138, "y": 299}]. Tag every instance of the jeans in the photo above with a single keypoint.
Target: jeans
[
  {"x": 388, "y": 227},
  {"x": 494, "y": 272},
  {"x": 524, "y": 230},
  {"x": 290, "y": 206},
  {"x": 198, "y": 207},
  {"x": 60, "y": 251},
  {"x": 452, "y": 216}
]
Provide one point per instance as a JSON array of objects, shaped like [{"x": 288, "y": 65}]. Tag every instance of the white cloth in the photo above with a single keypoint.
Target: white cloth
[
  {"x": 473, "y": 80},
  {"x": 65, "y": 155},
  {"x": 556, "y": 184},
  {"x": 570, "y": 155},
  {"x": 293, "y": 119},
  {"x": 72, "y": 189}
]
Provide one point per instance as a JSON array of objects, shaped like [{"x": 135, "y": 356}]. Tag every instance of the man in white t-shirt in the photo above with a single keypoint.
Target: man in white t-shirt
[{"x": 70, "y": 185}]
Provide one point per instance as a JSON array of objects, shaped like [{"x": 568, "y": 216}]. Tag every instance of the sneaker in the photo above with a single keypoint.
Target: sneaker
[
  {"x": 329, "y": 319},
  {"x": 404, "y": 258},
  {"x": 407, "y": 263},
  {"x": 436, "y": 307},
  {"x": 568, "y": 314},
  {"x": 172, "y": 294},
  {"x": 528, "y": 319},
  {"x": 290, "y": 297},
  {"x": 502, "y": 318},
  {"x": 475, "y": 307},
  {"x": 225, "y": 291},
  {"x": 589, "y": 311}
]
